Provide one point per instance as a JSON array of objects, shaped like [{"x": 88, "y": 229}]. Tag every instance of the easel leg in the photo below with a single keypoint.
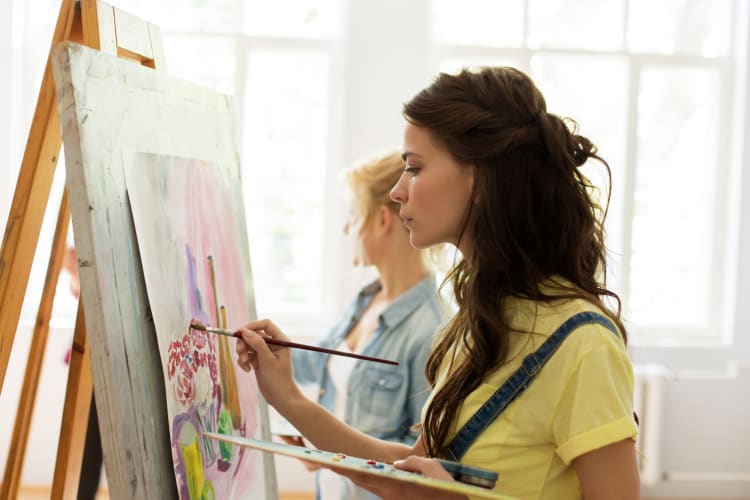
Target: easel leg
[
  {"x": 31, "y": 195},
  {"x": 75, "y": 415},
  {"x": 91, "y": 467},
  {"x": 20, "y": 437}
]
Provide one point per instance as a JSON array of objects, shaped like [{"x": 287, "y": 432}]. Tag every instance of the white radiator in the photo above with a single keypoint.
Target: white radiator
[{"x": 649, "y": 401}]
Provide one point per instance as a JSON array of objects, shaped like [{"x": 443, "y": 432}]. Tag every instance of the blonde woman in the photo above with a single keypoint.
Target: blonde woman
[{"x": 394, "y": 317}]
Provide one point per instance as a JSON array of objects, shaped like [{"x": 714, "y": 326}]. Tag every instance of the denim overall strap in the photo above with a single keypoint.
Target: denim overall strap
[{"x": 518, "y": 381}]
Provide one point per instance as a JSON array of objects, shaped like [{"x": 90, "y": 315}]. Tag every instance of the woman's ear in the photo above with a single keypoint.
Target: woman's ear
[{"x": 385, "y": 218}]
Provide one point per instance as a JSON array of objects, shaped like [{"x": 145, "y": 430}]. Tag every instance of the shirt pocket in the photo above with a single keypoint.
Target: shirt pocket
[{"x": 385, "y": 388}]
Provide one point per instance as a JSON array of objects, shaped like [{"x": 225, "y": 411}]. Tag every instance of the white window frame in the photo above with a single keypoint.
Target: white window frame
[
  {"x": 732, "y": 69},
  {"x": 331, "y": 292}
]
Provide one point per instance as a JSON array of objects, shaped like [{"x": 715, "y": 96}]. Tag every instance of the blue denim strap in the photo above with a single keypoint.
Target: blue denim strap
[{"x": 518, "y": 381}]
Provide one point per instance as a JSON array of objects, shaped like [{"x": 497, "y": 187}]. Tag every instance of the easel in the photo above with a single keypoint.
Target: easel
[{"x": 109, "y": 30}]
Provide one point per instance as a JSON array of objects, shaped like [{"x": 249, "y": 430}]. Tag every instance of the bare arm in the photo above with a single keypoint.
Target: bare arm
[
  {"x": 328, "y": 433},
  {"x": 610, "y": 472},
  {"x": 273, "y": 370}
]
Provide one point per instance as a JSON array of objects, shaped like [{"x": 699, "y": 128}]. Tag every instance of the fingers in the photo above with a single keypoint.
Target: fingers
[
  {"x": 292, "y": 440},
  {"x": 361, "y": 479},
  {"x": 266, "y": 327},
  {"x": 311, "y": 466},
  {"x": 297, "y": 441},
  {"x": 241, "y": 346},
  {"x": 258, "y": 351},
  {"x": 425, "y": 466}
]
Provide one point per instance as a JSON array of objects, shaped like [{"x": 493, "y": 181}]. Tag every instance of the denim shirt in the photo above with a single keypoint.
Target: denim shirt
[{"x": 383, "y": 401}]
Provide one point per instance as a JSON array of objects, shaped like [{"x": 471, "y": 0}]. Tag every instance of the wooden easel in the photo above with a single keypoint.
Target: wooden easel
[{"x": 105, "y": 28}]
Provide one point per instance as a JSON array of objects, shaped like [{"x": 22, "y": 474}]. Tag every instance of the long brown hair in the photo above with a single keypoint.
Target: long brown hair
[{"x": 533, "y": 216}]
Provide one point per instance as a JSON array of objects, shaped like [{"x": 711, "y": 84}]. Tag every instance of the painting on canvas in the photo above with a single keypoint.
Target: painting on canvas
[{"x": 191, "y": 233}]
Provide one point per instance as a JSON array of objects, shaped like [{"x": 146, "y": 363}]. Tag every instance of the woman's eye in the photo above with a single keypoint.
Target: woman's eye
[{"x": 412, "y": 170}]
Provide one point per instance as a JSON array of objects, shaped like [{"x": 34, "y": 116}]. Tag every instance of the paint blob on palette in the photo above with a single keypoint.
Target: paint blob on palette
[{"x": 358, "y": 464}]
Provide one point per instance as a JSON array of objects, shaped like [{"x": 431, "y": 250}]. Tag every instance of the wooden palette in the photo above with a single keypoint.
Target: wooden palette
[{"x": 358, "y": 464}]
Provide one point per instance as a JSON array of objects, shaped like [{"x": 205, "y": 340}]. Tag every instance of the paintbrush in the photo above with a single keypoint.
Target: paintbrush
[{"x": 195, "y": 325}]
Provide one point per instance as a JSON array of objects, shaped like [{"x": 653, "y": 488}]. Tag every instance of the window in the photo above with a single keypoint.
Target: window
[
  {"x": 262, "y": 53},
  {"x": 318, "y": 83},
  {"x": 258, "y": 52},
  {"x": 649, "y": 83}
]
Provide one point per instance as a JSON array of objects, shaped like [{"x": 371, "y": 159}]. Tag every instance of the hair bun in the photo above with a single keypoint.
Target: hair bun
[{"x": 583, "y": 150}]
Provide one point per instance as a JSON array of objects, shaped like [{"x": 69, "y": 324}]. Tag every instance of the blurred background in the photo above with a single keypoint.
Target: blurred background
[{"x": 661, "y": 86}]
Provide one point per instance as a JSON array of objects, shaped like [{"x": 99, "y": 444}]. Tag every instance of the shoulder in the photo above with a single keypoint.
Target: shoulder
[
  {"x": 591, "y": 349},
  {"x": 592, "y": 354},
  {"x": 590, "y": 327},
  {"x": 425, "y": 319},
  {"x": 425, "y": 308}
]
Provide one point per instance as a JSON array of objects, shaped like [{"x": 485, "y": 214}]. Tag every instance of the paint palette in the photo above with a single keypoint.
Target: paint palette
[{"x": 357, "y": 464}]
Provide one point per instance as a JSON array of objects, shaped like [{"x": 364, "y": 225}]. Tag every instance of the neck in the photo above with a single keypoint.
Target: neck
[{"x": 399, "y": 274}]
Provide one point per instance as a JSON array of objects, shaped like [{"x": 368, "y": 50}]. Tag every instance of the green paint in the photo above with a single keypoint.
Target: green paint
[
  {"x": 208, "y": 491},
  {"x": 225, "y": 427}
]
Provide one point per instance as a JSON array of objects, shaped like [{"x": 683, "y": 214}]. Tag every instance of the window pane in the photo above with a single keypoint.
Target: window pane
[
  {"x": 583, "y": 24},
  {"x": 454, "y": 66},
  {"x": 680, "y": 26},
  {"x": 595, "y": 95},
  {"x": 202, "y": 16},
  {"x": 478, "y": 22},
  {"x": 293, "y": 18},
  {"x": 205, "y": 60},
  {"x": 284, "y": 143},
  {"x": 674, "y": 212}
]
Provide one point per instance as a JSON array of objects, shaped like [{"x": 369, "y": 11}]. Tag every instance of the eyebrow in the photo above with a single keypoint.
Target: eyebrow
[{"x": 406, "y": 154}]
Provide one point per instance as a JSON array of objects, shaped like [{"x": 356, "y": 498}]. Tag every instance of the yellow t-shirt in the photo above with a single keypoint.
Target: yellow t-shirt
[{"x": 581, "y": 400}]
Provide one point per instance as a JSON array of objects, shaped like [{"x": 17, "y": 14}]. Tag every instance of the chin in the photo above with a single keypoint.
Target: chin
[{"x": 420, "y": 243}]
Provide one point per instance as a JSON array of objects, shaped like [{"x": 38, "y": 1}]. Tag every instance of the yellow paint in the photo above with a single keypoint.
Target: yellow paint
[{"x": 191, "y": 454}]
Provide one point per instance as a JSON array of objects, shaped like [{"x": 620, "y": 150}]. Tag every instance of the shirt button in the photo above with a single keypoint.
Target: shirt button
[
  {"x": 322, "y": 392},
  {"x": 381, "y": 382}
]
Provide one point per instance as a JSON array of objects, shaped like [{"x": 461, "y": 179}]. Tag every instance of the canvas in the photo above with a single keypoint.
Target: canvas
[
  {"x": 191, "y": 233},
  {"x": 158, "y": 386}
]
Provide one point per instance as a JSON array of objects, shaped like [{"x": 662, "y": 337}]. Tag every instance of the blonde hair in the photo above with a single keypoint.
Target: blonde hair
[{"x": 370, "y": 183}]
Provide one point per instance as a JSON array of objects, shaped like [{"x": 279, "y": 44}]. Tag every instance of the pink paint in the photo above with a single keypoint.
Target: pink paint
[{"x": 185, "y": 211}]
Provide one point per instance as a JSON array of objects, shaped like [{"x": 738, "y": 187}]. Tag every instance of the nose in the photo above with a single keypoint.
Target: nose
[{"x": 398, "y": 192}]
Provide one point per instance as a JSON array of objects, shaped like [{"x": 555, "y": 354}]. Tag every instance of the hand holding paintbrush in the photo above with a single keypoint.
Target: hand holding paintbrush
[{"x": 197, "y": 325}]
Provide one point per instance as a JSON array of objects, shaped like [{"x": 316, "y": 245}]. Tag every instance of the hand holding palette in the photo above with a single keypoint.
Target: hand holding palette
[{"x": 372, "y": 467}]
